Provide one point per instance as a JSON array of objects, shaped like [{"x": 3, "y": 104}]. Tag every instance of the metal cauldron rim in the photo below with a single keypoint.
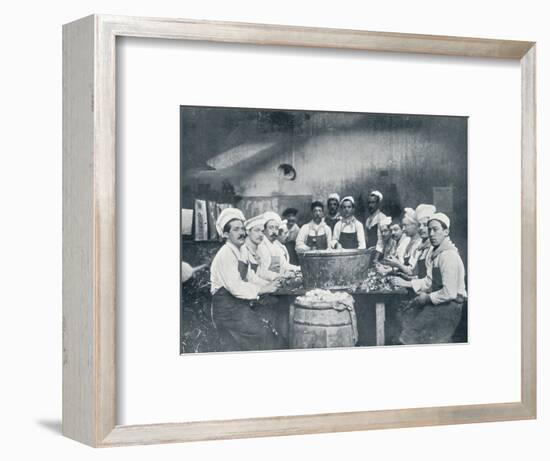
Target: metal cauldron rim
[{"x": 328, "y": 253}]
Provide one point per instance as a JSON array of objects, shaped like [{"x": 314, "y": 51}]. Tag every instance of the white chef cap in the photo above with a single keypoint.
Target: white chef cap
[
  {"x": 385, "y": 221},
  {"x": 272, "y": 216},
  {"x": 409, "y": 216},
  {"x": 228, "y": 214},
  {"x": 254, "y": 222},
  {"x": 443, "y": 218},
  {"x": 378, "y": 194},
  {"x": 424, "y": 211},
  {"x": 334, "y": 196},
  {"x": 349, "y": 198}
]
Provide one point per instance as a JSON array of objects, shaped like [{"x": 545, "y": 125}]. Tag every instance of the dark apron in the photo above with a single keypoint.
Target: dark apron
[
  {"x": 432, "y": 324},
  {"x": 348, "y": 240},
  {"x": 421, "y": 268},
  {"x": 317, "y": 242},
  {"x": 372, "y": 236},
  {"x": 292, "y": 255},
  {"x": 331, "y": 222},
  {"x": 239, "y": 326}
]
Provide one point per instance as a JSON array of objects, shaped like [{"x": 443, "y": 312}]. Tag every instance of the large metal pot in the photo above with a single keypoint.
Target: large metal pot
[{"x": 334, "y": 269}]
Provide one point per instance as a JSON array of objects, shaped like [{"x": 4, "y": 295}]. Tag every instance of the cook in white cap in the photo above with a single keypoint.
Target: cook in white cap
[
  {"x": 407, "y": 267},
  {"x": 234, "y": 289},
  {"x": 254, "y": 235},
  {"x": 435, "y": 313},
  {"x": 316, "y": 234},
  {"x": 372, "y": 224},
  {"x": 332, "y": 216},
  {"x": 348, "y": 232},
  {"x": 274, "y": 257}
]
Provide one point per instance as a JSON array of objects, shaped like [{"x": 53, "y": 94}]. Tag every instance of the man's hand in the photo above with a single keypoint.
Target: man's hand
[
  {"x": 392, "y": 261},
  {"x": 382, "y": 270},
  {"x": 271, "y": 287},
  {"x": 422, "y": 299},
  {"x": 398, "y": 282}
]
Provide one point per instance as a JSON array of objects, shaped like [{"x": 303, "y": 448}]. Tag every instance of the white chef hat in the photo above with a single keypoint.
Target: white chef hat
[
  {"x": 424, "y": 211},
  {"x": 228, "y": 214},
  {"x": 409, "y": 215},
  {"x": 441, "y": 217},
  {"x": 349, "y": 198},
  {"x": 255, "y": 221},
  {"x": 378, "y": 194},
  {"x": 334, "y": 196},
  {"x": 272, "y": 216},
  {"x": 385, "y": 221}
]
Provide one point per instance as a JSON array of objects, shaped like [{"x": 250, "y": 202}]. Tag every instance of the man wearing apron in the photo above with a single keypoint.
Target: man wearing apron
[
  {"x": 315, "y": 235},
  {"x": 332, "y": 216},
  {"x": 270, "y": 308},
  {"x": 288, "y": 233},
  {"x": 372, "y": 224},
  {"x": 274, "y": 257},
  {"x": 432, "y": 317},
  {"x": 234, "y": 290},
  {"x": 423, "y": 213},
  {"x": 348, "y": 232}
]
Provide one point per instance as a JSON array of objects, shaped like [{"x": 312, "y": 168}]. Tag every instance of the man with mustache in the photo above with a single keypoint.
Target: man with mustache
[
  {"x": 432, "y": 317},
  {"x": 333, "y": 216},
  {"x": 235, "y": 288},
  {"x": 315, "y": 235},
  {"x": 274, "y": 257}
]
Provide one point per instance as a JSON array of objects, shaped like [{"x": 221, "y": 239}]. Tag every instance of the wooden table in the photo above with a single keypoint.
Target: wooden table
[{"x": 381, "y": 298}]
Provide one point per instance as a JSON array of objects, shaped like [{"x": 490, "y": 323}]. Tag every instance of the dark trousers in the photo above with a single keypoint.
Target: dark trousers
[
  {"x": 241, "y": 327},
  {"x": 430, "y": 324}
]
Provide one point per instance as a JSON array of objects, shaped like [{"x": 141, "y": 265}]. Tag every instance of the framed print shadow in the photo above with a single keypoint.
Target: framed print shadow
[{"x": 298, "y": 229}]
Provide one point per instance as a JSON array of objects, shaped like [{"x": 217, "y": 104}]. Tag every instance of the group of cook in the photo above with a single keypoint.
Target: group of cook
[{"x": 414, "y": 250}]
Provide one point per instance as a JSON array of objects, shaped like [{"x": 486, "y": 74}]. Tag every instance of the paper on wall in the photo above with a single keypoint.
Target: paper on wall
[
  {"x": 186, "y": 221},
  {"x": 201, "y": 220}
]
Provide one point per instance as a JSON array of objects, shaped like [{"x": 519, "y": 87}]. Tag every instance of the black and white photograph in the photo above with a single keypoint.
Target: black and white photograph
[{"x": 317, "y": 229}]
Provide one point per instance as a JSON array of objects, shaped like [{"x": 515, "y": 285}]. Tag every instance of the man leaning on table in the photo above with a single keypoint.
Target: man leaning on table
[
  {"x": 434, "y": 314},
  {"x": 235, "y": 288}
]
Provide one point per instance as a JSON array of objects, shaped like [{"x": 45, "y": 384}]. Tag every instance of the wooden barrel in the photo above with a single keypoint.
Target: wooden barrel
[
  {"x": 319, "y": 325},
  {"x": 337, "y": 269}
]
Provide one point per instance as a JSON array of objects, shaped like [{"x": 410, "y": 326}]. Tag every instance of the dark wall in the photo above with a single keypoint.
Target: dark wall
[{"x": 403, "y": 156}]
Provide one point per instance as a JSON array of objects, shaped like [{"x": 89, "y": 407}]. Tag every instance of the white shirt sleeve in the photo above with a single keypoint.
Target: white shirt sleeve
[
  {"x": 336, "y": 234},
  {"x": 424, "y": 284},
  {"x": 449, "y": 265},
  {"x": 401, "y": 249},
  {"x": 362, "y": 243},
  {"x": 379, "y": 243},
  {"x": 264, "y": 263},
  {"x": 302, "y": 237}
]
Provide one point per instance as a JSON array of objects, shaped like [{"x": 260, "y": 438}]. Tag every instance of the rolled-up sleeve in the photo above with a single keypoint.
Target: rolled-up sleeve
[
  {"x": 336, "y": 234},
  {"x": 449, "y": 265},
  {"x": 424, "y": 284},
  {"x": 379, "y": 242},
  {"x": 362, "y": 243},
  {"x": 302, "y": 237}
]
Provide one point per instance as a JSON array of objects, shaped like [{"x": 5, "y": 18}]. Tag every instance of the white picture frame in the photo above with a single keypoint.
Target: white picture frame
[{"x": 89, "y": 230}]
